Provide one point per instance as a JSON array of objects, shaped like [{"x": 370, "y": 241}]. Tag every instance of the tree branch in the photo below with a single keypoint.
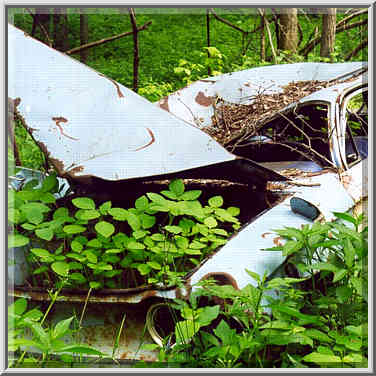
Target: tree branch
[
  {"x": 311, "y": 45},
  {"x": 355, "y": 51},
  {"x": 105, "y": 40},
  {"x": 262, "y": 13},
  {"x": 228, "y": 23}
]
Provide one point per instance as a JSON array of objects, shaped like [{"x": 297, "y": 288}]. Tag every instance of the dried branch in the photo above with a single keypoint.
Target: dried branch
[
  {"x": 105, "y": 40},
  {"x": 353, "y": 15},
  {"x": 228, "y": 23},
  {"x": 262, "y": 13},
  {"x": 358, "y": 48},
  {"x": 313, "y": 43}
]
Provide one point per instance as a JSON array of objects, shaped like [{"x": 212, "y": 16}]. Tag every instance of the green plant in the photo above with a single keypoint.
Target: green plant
[
  {"x": 157, "y": 241},
  {"x": 24, "y": 324},
  {"x": 318, "y": 320}
]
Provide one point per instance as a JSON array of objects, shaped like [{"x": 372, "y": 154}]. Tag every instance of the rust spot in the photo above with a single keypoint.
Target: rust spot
[
  {"x": 266, "y": 233},
  {"x": 222, "y": 279},
  {"x": 76, "y": 170},
  {"x": 120, "y": 94},
  {"x": 150, "y": 142},
  {"x": 346, "y": 181},
  {"x": 58, "y": 120},
  {"x": 277, "y": 241},
  {"x": 203, "y": 100},
  {"x": 164, "y": 104}
]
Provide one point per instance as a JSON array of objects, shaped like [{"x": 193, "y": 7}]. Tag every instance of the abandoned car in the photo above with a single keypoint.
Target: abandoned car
[{"x": 259, "y": 138}]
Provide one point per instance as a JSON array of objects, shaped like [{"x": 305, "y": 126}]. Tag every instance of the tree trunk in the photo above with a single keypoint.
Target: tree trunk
[
  {"x": 42, "y": 20},
  {"x": 60, "y": 18},
  {"x": 262, "y": 38},
  {"x": 84, "y": 34},
  {"x": 328, "y": 36},
  {"x": 288, "y": 29},
  {"x": 136, "y": 57}
]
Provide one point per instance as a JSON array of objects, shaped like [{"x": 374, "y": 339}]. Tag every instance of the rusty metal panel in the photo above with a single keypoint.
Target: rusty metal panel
[{"x": 89, "y": 125}]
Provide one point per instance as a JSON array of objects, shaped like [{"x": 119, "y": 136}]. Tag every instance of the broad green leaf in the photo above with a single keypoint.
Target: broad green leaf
[
  {"x": 182, "y": 242},
  {"x": 158, "y": 237},
  {"x": 208, "y": 314},
  {"x": 325, "y": 350},
  {"x": 43, "y": 253},
  {"x": 28, "y": 226},
  {"x": 14, "y": 215},
  {"x": 114, "y": 251},
  {"x": 318, "y": 335},
  {"x": 219, "y": 231},
  {"x": 103, "y": 209},
  {"x": 346, "y": 217},
  {"x": 134, "y": 221},
  {"x": 191, "y": 195},
  {"x": 215, "y": 202},
  {"x": 139, "y": 234},
  {"x": 133, "y": 245},
  {"x": 350, "y": 252},
  {"x": 177, "y": 187},
  {"x": 34, "y": 206},
  {"x": 49, "y": 183},
  {"x": 61, "y": 328},
  {"x": 44, "y": 233},
  {"x": 225, "y": 216},
  {"x": 147, "y": 221},
  {"x": 18, "y": 307},
  {"x": 225, "y": 333},
  {"x": 34, "y": 216},
  {"x": 104, "y": 228},
  {"x": 91, "y": 256},
  {"x": 94, "y": 243},
  {"x": 76, "y": 246},
  {"x": 38, "y": 331},
  {"x": 61, "y": 268},
  {"x": 41, "y": 270},
  {"x": 233, "y": 210},
  {"x": 343, "y": 293},
  {"x": 277, "y": 324},
  {"x": 292, "y": 246},
  {"x": 73, "y": 229},
  {"x": 155, "y": 265},
  {"x": 119, "y": 214},
  {"x": 185, "y": 330},
  {"x": 76, "y": 256},
  {"x": 197, "y": 245},
  {"x": 83, "y": 203},
  {"x": 355, "y": 358},
  {"x": 318, "y": 358},
  {"x": 73, "y": 265},
  {"x": 141, "y": 203},
  {"x": 78, "y": 277},
  {"x": 87, "y": 214},
  {"x": 339, "y": 275},
  {"x": 48, "y": 198},
  {"x": 360, "y": 330},
  {"x": 173, "y": 229},
  {"x": 17, "y": 240},
  {"x": 60, "y": 212},
  {"x": 156, "y": 198},
  {"x": 211, "y": 222},
  {"x": 95, "y": 285},
  {"x": 144, "y": 269},
  {"x": 254, "y": 275},
  {"x": 170, "y": 195}
]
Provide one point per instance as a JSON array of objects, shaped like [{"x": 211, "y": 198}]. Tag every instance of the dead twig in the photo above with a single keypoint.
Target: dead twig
[
  {"x": 358, "y": 48},
  {"x": 105, "y": 40}
]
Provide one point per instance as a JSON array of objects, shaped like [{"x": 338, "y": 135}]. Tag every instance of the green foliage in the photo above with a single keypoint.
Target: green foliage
[
  {"x": 158, "y": 240},
  {"x": 44, "y": 338},
  {"x": 318, "y": 320}
]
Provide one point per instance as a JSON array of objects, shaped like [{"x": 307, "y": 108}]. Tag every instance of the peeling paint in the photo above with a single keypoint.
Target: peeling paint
[
  {"x": 60, "y": 119},
  {"x": 203, "y": 100}
]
